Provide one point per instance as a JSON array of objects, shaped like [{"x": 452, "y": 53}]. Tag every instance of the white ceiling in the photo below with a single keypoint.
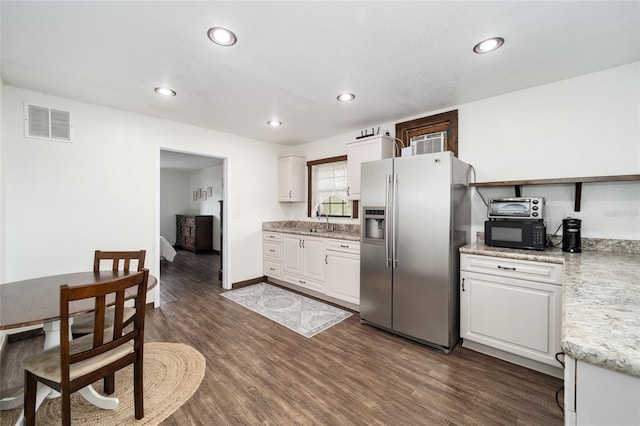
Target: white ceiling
[{"x": 292, "y": 59}]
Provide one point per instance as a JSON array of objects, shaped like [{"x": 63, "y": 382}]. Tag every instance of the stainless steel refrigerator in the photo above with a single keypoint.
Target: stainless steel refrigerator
[{"x": 416, "y": 213}]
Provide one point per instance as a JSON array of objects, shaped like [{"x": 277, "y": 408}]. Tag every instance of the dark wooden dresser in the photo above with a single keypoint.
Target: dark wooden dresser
[{"x": 194, "y": 233}]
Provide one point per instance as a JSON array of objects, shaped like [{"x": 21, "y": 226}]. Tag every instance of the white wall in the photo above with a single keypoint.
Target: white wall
[
  {"x": 585, "y": 126},
  {"x": 175, "y": 198},
  {"x": 64, "y": 200}
]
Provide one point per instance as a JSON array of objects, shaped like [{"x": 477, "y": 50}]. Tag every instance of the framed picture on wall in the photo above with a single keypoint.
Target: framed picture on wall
[
  {"x": 199, "y": 192},
  {"x": 204, "y": 196},
  {"x": 210, "y": 191},
  {"x": 195, "y": 195}
]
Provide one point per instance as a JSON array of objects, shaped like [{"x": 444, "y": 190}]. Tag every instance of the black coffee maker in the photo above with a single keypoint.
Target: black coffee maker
[{"x": 571, "y": 235}]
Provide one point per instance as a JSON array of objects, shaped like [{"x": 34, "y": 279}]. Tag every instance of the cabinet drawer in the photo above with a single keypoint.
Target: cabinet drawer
[
  {"x": 550, "y": 273},
  {"x": 272, "y": 236},
  {"x": 343, "y": 246},
  {"x": 272, "y": 250},
  {"x": 304, "y": 282},
  {"x": 272, "y": 269},
  {"x": 186, "y": 230}
]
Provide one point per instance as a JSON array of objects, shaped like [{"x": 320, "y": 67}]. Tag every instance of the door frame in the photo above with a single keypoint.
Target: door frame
[{"x": 225, "y": 208}]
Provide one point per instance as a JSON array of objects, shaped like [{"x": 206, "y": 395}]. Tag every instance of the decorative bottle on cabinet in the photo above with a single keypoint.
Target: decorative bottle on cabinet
[
  {"x": 291, "y": 170},
  {"x": 370, "y": 149}
]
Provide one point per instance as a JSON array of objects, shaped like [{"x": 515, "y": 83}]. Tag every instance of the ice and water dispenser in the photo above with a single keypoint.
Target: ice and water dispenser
[{"x": 374, "y": 223}]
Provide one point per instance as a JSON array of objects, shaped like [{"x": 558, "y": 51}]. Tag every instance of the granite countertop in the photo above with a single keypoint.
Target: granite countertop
[
  {"x": 600, "y": 303},
  {"x": 340, "y": 231}
]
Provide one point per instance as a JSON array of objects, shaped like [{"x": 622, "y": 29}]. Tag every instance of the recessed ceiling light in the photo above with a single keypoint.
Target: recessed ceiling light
[
  {"x": 164, "y": 91},
  {"x": 488, "y": 45},
  {"x": 346, "y": 97},
  {"x": 274, "y": 123},
  {"x": 222, "y": 36}
]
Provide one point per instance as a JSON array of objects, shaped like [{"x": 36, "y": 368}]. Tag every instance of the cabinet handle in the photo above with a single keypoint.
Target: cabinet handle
[
  {"x": 302, "y": 282},
  {"x": 463, "y": 285},
  {"x": 302, "y": 243},
  {"x": 289, "y": 194},
  {"x": 325, "y": 259},
  {"x": 506, "y": 268},
  {"x": 272, "y": 250},
  {"x": 272, "y": 269},
  {"x": 348, "y": 191},
  {"x": 344, "y": 246}
]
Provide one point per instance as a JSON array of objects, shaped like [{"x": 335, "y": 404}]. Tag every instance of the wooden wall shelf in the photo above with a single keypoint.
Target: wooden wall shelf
[{"x": 577, "y": 181}]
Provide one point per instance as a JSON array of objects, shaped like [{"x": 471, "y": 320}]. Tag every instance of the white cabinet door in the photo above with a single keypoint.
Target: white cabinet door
[
  {"x": 291, "y": 170},
  {"x": 375, "y": 148},
  {"x": 343, "y": 276},
  {"x": 313, "y": 258},
  {"x": 303, "y": 261},
  {"x": 292, "y": 253},
  {"x": 516, "y": 316}
]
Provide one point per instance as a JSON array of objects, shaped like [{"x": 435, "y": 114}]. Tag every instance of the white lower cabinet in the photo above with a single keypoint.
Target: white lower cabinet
[
  {"x": 272, "y": 254},
  {"x": 342, "y": 260},
  {"x": 325, "y": 266},
  {"x": 303, "y": 261},
  {"x": 598, "y": 396},
  {"x": 511, "y": 305}
]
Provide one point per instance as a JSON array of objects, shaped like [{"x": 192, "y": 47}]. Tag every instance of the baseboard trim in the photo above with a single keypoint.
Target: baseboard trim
[{"x": 245, "y": 283}]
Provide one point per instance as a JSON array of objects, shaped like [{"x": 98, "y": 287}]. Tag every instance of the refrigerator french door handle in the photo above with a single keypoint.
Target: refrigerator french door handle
[
  {"x": 394, "y": 218},
  {"x": 386, "y": 225}
]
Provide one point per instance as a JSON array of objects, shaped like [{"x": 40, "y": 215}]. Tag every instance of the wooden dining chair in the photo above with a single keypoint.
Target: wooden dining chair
[
  {"x": 78, "y": 363},
  {"x": 83, "y": 324}
]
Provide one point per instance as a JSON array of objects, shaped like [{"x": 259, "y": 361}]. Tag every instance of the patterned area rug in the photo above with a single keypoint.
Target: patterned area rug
[
  {"x": 298, "y": 313},
  {"x": 172, "y": 374}
]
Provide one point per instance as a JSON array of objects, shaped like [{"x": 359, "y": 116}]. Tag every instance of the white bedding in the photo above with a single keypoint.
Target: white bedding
[{"x": 166, "y": 250}]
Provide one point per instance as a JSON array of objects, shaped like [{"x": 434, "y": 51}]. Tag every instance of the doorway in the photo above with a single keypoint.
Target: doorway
[{"x": 191, "y": 184}]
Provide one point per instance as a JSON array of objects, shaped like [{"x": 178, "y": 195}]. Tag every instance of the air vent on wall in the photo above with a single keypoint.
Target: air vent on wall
[
  {"x": 426, "y": 144},
  {"x": 47, "y": 123}
]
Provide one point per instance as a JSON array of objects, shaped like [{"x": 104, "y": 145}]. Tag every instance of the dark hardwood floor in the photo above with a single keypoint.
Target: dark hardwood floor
[{"x": 259, "y": 372}]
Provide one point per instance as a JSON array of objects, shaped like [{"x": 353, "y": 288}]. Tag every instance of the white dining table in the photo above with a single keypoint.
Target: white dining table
[{"x": 37, "y": 301}]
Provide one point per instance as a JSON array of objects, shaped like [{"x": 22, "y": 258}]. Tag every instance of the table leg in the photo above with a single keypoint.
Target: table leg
[
  {"x": 100, "y": 401},
  {"x": 41, "y": 393},
  {"x": 11, "y": 403}
]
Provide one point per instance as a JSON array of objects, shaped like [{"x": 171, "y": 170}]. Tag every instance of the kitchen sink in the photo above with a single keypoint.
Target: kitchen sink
[{"x": 320, "y": 230}]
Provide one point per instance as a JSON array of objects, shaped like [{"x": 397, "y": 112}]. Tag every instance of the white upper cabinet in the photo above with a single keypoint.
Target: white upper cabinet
[
  {"x": 370, "y": 149},
  {"x": 291, "y": 180}
]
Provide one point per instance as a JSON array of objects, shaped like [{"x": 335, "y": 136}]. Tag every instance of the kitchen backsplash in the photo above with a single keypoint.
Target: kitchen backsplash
[{"x": 593, "y": 244}]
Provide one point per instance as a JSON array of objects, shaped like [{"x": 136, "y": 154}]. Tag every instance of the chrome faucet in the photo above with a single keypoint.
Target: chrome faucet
[
  {"x": 319, "y": 214},
  {"x": 327, "y": 216}
]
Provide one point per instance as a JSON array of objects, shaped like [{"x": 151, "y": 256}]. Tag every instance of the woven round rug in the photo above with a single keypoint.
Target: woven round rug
[{"x": 172, "y": 374}]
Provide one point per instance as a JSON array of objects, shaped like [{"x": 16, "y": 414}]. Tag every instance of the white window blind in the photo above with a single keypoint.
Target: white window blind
[{"x": 330, "y": 189}]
